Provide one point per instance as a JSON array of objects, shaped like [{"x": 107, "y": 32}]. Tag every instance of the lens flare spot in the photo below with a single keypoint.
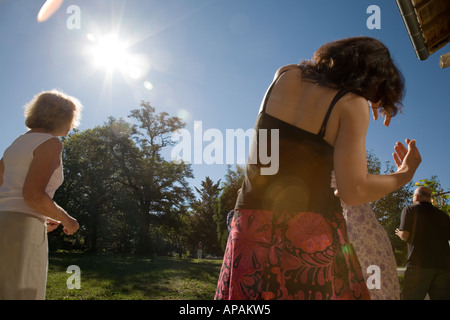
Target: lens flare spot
[
  {"x": 148, "y": 85},
  {"x": 183, "y": 114},
  {"x": 48, "y": 9}
]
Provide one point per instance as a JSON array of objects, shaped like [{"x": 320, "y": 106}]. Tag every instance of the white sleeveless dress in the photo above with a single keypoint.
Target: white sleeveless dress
[
  {"x": 23, "y": 231},
  {"x": 374, "y": 250}
]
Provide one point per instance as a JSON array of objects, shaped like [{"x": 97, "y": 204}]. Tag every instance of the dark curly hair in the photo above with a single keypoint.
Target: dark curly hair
[{"x": 361, "y": 65}]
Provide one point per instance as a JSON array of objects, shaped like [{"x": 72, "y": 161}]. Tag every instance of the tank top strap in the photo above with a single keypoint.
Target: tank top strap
[{"x": 337, "y": 97}]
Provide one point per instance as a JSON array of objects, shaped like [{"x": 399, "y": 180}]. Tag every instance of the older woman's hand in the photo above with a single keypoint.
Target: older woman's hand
[
  {"x": 70, "y": 226},
  {"x": 52, "y": 224}
]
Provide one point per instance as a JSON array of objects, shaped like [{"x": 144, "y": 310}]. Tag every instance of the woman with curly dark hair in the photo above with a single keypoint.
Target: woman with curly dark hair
[{"x": 288, "y": 238}]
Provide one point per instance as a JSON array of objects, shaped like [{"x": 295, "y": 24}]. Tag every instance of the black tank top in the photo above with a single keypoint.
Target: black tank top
[{"x": 303, "y": 180}]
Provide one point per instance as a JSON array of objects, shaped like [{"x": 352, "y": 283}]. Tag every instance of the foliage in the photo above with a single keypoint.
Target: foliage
[
  {"x": 203, "y": 227},
  {"x": 120, "y": 188},
  {"x": 227, "y": 200},
  {"x": 439, "y": 198},
  {"x": 388, "y": 209}
]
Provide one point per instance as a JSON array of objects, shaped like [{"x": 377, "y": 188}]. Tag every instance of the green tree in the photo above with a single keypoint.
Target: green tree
[
  {"x": 203, "y": 228},
  {"x": 126, "y": 196},
  {"x": 440, "y": 197},
  {"x": 227, "y": 200},
  {"x": 90, "y": 190},
  {"x": 159, "y": 186}
]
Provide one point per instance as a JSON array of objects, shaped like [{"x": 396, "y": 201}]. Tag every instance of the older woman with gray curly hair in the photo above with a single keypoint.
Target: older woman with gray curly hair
[{"x": 30, "y": 173}]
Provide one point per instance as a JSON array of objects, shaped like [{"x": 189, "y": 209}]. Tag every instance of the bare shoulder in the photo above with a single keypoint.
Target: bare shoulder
[
  {"x": 286, "y": 68},
  {"x": 52, "y": 146},
  {"x": 353, "y": 119},
  {"x": 354, "y": 106}
]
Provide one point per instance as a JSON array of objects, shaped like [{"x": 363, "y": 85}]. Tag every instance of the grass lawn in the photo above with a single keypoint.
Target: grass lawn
[{"x": 130, "y": 277}]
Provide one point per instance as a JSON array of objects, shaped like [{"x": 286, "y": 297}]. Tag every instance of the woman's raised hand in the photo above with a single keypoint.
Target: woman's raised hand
[{"x": 407, "y": 158}]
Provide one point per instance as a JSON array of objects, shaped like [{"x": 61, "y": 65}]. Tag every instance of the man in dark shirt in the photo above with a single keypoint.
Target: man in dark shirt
[{"x": 427, "y": 232}]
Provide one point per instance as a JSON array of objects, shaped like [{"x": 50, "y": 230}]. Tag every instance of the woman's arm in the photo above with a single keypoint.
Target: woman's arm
[
  {"x": 45, "y": 161},
  {"x": 354, "y": 183}
]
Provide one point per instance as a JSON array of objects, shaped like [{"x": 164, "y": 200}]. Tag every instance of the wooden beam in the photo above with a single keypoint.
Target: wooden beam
[{"x": 445, "y": 60}]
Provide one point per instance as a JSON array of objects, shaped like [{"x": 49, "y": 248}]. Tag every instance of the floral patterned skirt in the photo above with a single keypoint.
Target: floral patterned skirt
[{"x": 272, "y": 255}]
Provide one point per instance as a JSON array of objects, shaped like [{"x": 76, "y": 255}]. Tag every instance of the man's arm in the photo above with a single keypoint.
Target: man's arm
[
  {"x": 402, "y": 234},
  {"x": 403, "y": 230}
]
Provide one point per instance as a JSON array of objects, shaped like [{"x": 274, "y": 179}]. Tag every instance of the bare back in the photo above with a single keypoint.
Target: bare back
[{"x": 303, "y": 104}]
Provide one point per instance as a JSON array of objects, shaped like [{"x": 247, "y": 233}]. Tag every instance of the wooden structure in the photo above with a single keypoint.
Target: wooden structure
[{"x": 428, "y": 25}]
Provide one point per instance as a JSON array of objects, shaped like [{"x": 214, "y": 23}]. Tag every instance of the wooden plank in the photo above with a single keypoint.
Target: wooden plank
[{"x": 445, "y": 60}]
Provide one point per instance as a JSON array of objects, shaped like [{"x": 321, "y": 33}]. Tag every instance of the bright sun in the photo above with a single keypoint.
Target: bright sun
[{"x": 111, "y": 54}]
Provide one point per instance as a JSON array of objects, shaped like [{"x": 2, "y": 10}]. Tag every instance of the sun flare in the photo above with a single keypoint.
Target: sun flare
[{"x": 112, "y": 54}]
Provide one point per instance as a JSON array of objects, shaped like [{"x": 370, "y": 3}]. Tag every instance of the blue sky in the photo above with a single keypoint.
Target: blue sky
[{"x": 210, "y": 61}]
